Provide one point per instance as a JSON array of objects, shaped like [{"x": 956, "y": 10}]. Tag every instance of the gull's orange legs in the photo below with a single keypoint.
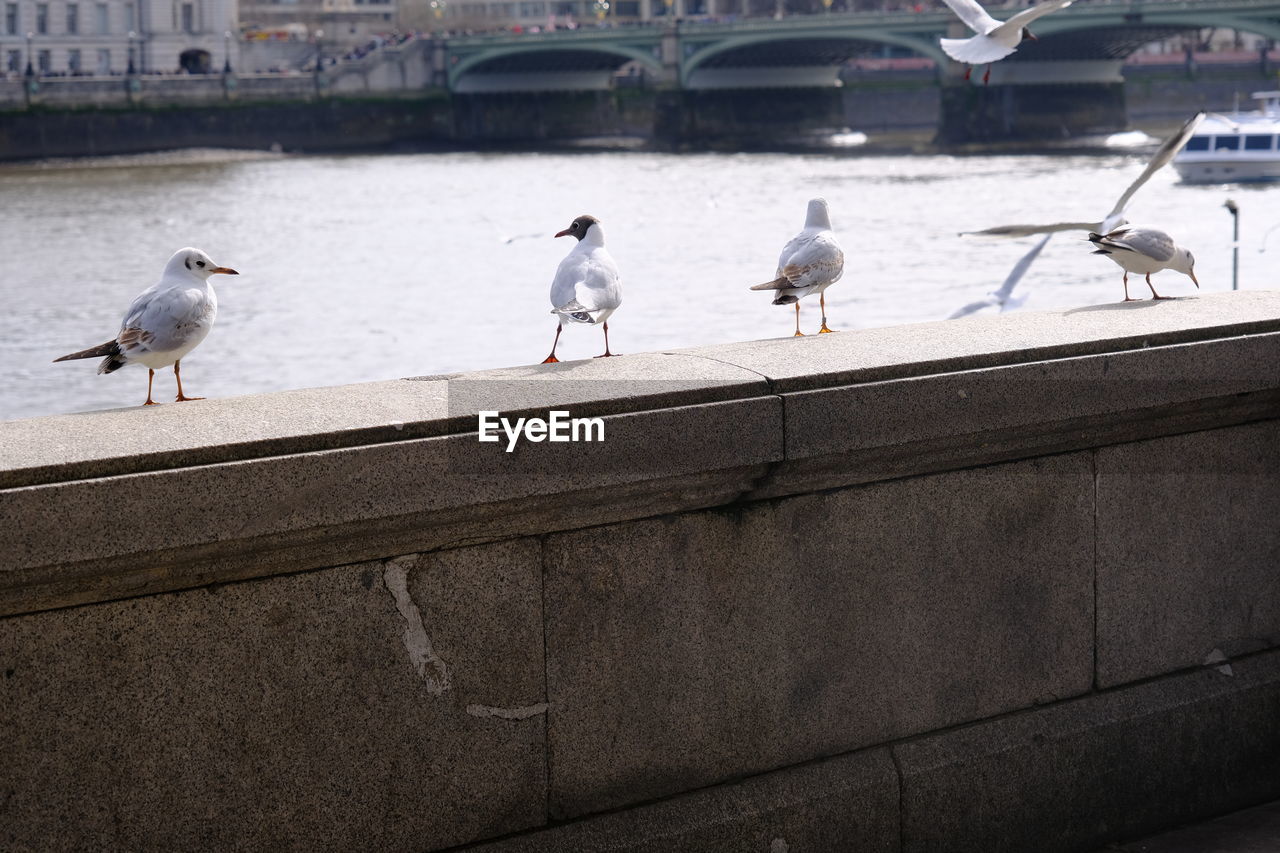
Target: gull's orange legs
[
  {"x": 968, "y": 72},
  {"x": 606, "y": 353},
  {"x": 822, "y": 300},
  {"x": 551, "y": 359},
  {"x": 798, "y": 334},
  {"x": 181, "y": 398},
  {"x": 986, "y": 77},
  {"x": 151, "y": 375},
  {"x": 1155, "y": 295}
]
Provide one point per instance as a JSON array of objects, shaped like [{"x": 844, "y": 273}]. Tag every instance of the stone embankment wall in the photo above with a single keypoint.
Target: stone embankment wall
[{"x": 1004, "y": 584}]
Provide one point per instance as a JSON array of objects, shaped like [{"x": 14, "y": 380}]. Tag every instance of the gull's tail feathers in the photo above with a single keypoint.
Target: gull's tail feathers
[
  {"x": 777, "y": 284},
  {"x": 574, "y": 310},
  {"x": 111, "y": 349}
]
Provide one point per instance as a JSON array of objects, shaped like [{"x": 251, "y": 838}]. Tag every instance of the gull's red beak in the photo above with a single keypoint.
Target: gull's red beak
[
  {"x": 223, "y": 270},
  {"x": 1026, "y": 33},
  {"x": 563, "y": 233},
  {"x": 1192, "y": 273}
]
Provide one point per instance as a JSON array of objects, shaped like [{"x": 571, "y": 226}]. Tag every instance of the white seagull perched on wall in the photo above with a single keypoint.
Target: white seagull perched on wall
[
  {"x": 1002, "y": 296},
  {"x": 587, "y": 287},
  {"x": 165, "y": 322},
  {"x": 1144, "y": 251},
  {"x": 810, "y": 263},
  {"x": 995, "y": 39}
]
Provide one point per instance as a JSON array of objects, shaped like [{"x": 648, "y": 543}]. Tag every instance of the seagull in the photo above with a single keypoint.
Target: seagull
[
  {"x": 810, "y": 263},
  {"x": 165, "y": 322},
  {"x": 1144, "y": 251},
  {"x": 995, "y": 39},
  {"x": 587, "y": 288},
  {"x": 1113, "y": 220}
]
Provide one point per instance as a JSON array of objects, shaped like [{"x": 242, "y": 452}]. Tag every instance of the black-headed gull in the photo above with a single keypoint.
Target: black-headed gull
[
  {"x": 165, "y": 322},
  {"x": 995, "y": 39},
  {"x": 1144, "y": 251},
  {"x": 1002, "y": 296},
  {"x": 810, "y": 263},
  {"x": 587, "y": 287}
]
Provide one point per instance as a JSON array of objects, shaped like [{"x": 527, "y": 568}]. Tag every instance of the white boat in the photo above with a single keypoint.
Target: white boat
[{"x": 1242, "y": 147}]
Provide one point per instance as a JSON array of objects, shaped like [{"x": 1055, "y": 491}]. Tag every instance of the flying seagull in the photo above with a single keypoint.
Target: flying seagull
[
  {"x": 810, "y": 263},
  {"x": 165, "y": 322},
  {"x": 587, "y": 288},
  {"x": 995, "y": 39},
  {"x": 1144, "y": 251},
  {"x": 1113, "y": 220}
]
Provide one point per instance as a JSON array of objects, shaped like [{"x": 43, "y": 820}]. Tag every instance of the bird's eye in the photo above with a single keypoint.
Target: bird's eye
[
  {"x": 199, "y": 263},
  {"x": 573, "y": 227}
]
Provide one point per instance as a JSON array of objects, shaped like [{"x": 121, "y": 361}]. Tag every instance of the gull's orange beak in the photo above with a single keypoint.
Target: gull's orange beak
[
  {"x": 223, "y": 270},
  {"x": 1192, "y": 273},
  {"x": 563, "y": 233},
  {"x": 1026, "y": 33}
]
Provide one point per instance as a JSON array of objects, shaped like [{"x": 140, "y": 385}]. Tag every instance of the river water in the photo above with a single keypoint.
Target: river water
[{"x": 372, "y": 267}]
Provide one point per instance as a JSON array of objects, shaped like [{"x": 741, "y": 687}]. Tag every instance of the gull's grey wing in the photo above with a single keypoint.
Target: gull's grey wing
[
  {"x": 1164, "y": 154},
  {"x": 1145, "y": 241},
  {"x": 1000, "y": 296},
  {"x": 973, "y": 15},
  {"x": 1032, "y": 230},
  {"x": 817, "y": 261}
]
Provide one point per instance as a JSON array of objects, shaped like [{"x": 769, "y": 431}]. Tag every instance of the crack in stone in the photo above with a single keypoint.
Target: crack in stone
[
  {"x": 522, "y": 713},
  {"x": 430, "y": 668}
]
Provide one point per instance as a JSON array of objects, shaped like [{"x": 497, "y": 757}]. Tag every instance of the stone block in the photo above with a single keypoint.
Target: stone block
[
  {"x": 1188, "y": 550},
  {"x": 849, "y": 803},
  {"x": 1106, "y": 767},
  {"x": 921, "y": 349},
  {"x": 686, "y": 650},
  {"x": 390, "y": 706}
]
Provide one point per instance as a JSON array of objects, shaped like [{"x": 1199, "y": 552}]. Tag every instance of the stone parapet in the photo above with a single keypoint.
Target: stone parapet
[{"x": 948, "y": 586}]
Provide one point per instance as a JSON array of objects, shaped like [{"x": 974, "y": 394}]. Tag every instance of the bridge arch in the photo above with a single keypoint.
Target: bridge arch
[
  {"x": 700, "y": 57},
  {"x": 622, "y": 53},
  {"x": 1267, "y": 28}
]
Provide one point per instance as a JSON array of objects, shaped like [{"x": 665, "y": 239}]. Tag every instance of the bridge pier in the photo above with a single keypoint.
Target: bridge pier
[
  {"x": 745, "y": 118},
  {"x": 984, "y": 114}
]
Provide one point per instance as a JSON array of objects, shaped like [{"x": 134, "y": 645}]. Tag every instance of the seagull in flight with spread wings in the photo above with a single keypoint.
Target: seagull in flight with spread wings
[
  {"x": 995, "y": 39},
  {"x": 1002, "y": 296}
]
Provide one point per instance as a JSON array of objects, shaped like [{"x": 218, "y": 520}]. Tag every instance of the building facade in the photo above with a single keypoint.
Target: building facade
[
  {"x": 342, "y": 22},
  {"x": 101, "y": 37}
]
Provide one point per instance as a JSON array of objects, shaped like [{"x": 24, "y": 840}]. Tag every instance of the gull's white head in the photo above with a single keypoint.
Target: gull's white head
[
  {"x": 585, "y": 228},
  {"x": 194, "y": 262},
  {"x": 1185, "y": 263},
  {"x": 818, "y": 216}
]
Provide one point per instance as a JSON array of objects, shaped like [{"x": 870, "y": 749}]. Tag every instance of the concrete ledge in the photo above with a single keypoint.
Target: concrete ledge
[{"x": 307, "y": 479}]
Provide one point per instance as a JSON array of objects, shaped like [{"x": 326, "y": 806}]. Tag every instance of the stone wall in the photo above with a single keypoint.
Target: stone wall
[{"x": 989, "y": 585}]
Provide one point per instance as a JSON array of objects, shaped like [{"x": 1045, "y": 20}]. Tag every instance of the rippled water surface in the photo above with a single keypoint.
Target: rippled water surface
[{"x": 372, "y": 267}]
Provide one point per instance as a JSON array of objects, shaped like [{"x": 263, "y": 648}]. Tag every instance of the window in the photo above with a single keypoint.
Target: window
[
  {"x": 11, "y": 18},
  {"x": 1198, "y": 143},
  {"x": 13, "y": 61},
  {"x": 102, "y": 21},
  {"x": 1226, "y": 143},
  {"x": 188, "y": 18},
  {"x": 42, "y": 18},
  {"x": 129, "y": 20},
  {"x": 73, "y": 60},
  {"x": 44, "y": 61},
  {"x": 73, "y": 18},
  {"x": 1257, "y": 143},
  {"x": 104, "y": 61}
]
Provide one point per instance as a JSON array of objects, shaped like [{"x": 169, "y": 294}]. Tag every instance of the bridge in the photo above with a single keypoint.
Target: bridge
[{"x": 1085, "y": 43}]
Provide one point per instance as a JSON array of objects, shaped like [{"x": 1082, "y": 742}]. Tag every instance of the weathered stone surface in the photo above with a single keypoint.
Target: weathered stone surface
[
  {"x": 687, "y": 650},
  {"x": 68, "y": 543},
  {"x": 1254, "y": 830},
  {"x": 848, "y": 803},
  {"x": 879, "y": 430},
  {"x": 894, "y": 352},
  {"x": 1104, "y": 767},
  {"x": 1188, "y": 550},
  {"x": 69, "y": 447},
  {"x": 351, "y": 708}
]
